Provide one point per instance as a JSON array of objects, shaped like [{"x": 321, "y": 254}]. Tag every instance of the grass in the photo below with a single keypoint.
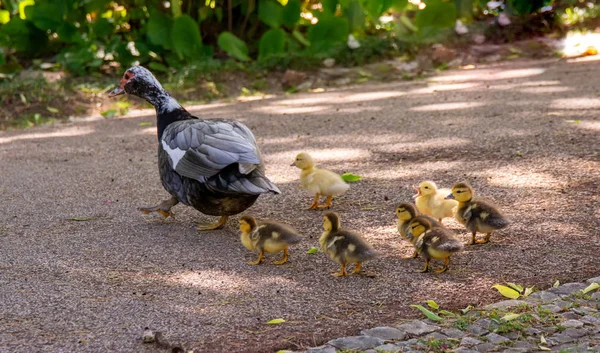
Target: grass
[{"x": 435, "y": 345}]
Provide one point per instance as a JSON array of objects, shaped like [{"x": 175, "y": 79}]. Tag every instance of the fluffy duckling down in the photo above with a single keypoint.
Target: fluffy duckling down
[
  {"x": 431, "y": 201},
  {"x": 433, "y": 242},
  {"x": 319, "y": 182},
  {"x": 267, "y": 236},
  {"x": 475, "y": 214},
  {"x": 406, "y": 212},
  {"x": 344, "y": 246}
]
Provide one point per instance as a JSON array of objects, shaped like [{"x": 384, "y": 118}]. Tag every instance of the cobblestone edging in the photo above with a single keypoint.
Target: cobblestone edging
[{"x": 560, "y": 319}]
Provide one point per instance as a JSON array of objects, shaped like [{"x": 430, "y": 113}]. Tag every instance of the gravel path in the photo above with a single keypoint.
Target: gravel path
[{"x": 82, "y": 271}]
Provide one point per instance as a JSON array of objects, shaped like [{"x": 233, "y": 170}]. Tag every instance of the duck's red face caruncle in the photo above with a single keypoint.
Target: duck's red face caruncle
[{"x": 121, "y": 89}]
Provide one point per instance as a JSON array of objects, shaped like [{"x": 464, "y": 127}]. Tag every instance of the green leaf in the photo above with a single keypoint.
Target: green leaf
[
  {"x": 437, "y": 14},
  {"x": 46, "y": 16},
  {"x": 350, "y": 177},
  {"x": 2, "y": 59},
  {"x": 432, "y": 304},
  {"x": 146, "y": 123},
  {"x": 186, "y": 39},
  {"x": 542, "y": 348},
  {"x": 329, "y": 31},
  {"x": 507, "y": 291},
  {"x": 68, "y": 33},
  {"x": 158, "y": 29},
  {"x": 330, "y": 5},
  {"x": 356, "y": 16},
  {"x": 543, "y": 340},
  {"x": 446, "y": 313},
  {"x": 52, "y": 110},
  {"x": 22, "y": 5},
  {"x": 467, "y": 309},
  {"x": 291, "y": 13},
  {"x": 272, "y": 42},
  {"x": 275, "y": 322},
  {"x": 528, "y": 291},
  {"x": 158, "y": 67},
  {"x": 590, "y": 288},
  {"x": 233, "y": 46},
  {"x": 109, "y": 113},
  {"x": 270, "y": 12},
  {"x": 516, "y": 287},
  {"x": 300, "y": 38},
  {"x": 556, "y": 284},
  {"x": 429, "y": 314},
  {"x": 376, "y": 8},
  {"x": 510, "y": 317},
  {"x": 103, "y": 28},
  {"x": 312, "y": 250},
  {"x": 4, "y": 17}
]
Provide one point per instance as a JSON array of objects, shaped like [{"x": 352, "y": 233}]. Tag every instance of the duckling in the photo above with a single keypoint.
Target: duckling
[
  {"x": 405, "y": 213},
  {"x": 344, "y": 246},
  {"x": 433, "y": 242},
  {"x": 430, "y": 201},
  {"x": 267, "y": 236},
  {"x": 475, "y": 214},
  {"x": 319, "y": 182}
]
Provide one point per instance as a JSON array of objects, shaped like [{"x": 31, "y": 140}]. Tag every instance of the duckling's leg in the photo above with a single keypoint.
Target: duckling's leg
[
  {"x": 163, "y": 208},
  {"x": 413, "y": 256},
  {"x": 258, "y": 261},
  {"x": 357, "y": 268},
  {"x": 212, "y": 226},
  {"x": 284, "y": 259},
  {"x": 315, "y": 203},
  {"x": 446, "y": 263},
  {"x": 328, "y": 203},
  {"x": 473, "y": 239},
  {"x": 486, "y": 239},
  {"x": 342, "y": 271},
  {"x": 426, "y": 266}
]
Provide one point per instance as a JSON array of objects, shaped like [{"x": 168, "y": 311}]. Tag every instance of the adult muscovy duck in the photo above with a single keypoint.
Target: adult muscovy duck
[{"x": 214, "y": 166}]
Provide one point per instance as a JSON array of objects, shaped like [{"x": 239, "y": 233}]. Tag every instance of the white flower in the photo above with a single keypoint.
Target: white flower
[
  {"x": 352, "y": 42},
  {"x": 494, "y": 4},
  {"x": 460, "y": 28},
  {"x": 503, "y": 20}
]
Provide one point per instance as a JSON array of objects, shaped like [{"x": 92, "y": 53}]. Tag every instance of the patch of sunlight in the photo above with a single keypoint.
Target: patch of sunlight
[
  {"x": 447, "y": 106},
  {"x": 575, "y": 103},
  {"x": 353, "y": 110},
  {"x": 370, "y": 96},
  {"x": 432, "y": 88},
  {"x": 520, "y": 178},
  {"x": 273, "y": 109},
  {"x": 490, "y": 74},
  {"x": 545, "y": 89},
  {"x": 68, "y": 132},
  {"x": 420, "y": 145},
  {"x": 254, "y": 98},
  {"x": 219, "y": 281},
  {"x": 584, "y": 59},
  {"x": 307, "y": 100},
  {"x": 321, "y": 155},
  {"x": 588, "y": 125},
  {"x": 577, "y": 43},
  {"x": 421, "y": 169}
]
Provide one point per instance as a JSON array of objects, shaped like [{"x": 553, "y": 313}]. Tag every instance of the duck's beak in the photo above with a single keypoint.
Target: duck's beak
[
  {"x": 449, "y": 197},
  {"x": 418, "y": 190},
  {"x": 293, "y": 164},
  {"x": 117, "y": 91}
]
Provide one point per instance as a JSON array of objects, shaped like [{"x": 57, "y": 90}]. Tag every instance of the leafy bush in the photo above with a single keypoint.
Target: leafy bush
[{"x": 91, "y": 35}]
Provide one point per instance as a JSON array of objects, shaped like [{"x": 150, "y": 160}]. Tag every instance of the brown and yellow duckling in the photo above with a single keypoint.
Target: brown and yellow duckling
[
  {"x": 433, "y": 242},
  {"x": 475, "y": 214},
  {"x": 431, "y": 201},
  {"x": 319, "y": 182},
  {"x": 267, "y": 236},
  {"x": 406, "y": 212},
  {"x": 344, "y": 246}
]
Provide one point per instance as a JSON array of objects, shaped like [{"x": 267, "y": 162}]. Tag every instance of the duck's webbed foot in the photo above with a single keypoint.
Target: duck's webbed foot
[
  {"x": 163, "y": 208},
  {"x": 211, "y": 226}
]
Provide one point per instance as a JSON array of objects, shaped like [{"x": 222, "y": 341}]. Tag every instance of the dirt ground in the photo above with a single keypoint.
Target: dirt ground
[{"x": 81, "y": 270}]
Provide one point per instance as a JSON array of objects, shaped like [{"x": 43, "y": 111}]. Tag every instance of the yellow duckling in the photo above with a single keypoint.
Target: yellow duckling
[
  {"x": 319, "y": 182},
  {"x": 431, "y": 201},
  {"x": 405, "y": 213},
  {"x": 267, "y": 236},
  {"x": 433, "y": 242},
  {"x": 344, "y": 246},
  {"x": 475, "y": 214}
]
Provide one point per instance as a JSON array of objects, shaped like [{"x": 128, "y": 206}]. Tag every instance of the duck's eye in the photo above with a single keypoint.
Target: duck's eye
[
  {"x": 426, "y": 187},
  {"x": 458, "y": 191}
]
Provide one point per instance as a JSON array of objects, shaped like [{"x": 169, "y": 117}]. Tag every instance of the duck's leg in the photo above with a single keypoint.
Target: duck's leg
[
  {"x": 163, "y": 208},
  {"x": 221, "y": 222},
  {"x": 446, "y": 263},
  {"x": 486, "y": 239},
  {"x": 328, "y": 203},
  {"x": 315, "y": 203},
  {"x": 258, "y": 261},
  {"x": 357, "y": 268},
  {"x": 341, "y": 272},
  {"x": 473, "y": 239},
  {"x": 426, "y": 266},
  {"x": 284, "y": 259}
]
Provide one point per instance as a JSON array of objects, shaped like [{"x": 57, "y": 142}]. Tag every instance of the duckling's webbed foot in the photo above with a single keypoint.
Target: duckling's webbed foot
[
  {"x": 284, "y": 259},
  {"x": 486, "y": 239},
  {"x": 258, "y": 261},
  {"x": 328, "y": 203},
  {"x": 163, "y": 208},
  {"x": 341, "y": 272},
  {"x": 473, "y": 241},
  {"x": 426, "y": 269},
  {"x": 445, "y": 268},
  {"x": 315, "y": 203},
  {"x": 211, "y": 226}
]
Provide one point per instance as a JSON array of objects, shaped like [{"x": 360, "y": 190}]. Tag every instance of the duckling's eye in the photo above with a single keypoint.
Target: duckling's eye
[
  {"x": 458, "y": 191},
  {"x": 426, "y": 187}
]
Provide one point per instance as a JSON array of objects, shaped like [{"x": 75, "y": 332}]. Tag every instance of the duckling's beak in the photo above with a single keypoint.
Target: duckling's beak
[
  {"x": 117, "y": 91},
  {"x": 449, "y": 197},
  {"x": 418, "y": 191},
  {"x": 293, "y": 164}
]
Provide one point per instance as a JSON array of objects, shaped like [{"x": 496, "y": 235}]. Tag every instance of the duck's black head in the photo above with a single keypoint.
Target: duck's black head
[{"x": 140, "y": 82}]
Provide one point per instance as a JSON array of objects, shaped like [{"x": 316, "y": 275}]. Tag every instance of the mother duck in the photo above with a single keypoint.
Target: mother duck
[{"x": 214, "y": 166}]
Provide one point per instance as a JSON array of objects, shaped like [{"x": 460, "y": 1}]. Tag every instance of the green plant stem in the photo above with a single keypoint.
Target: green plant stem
[{"x": 176, "y": 8}]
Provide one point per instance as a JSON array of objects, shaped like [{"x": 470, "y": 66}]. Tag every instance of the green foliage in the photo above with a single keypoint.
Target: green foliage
[
  {"x": 233, "y": 46},
  {"x": 271, "y": 43}
]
